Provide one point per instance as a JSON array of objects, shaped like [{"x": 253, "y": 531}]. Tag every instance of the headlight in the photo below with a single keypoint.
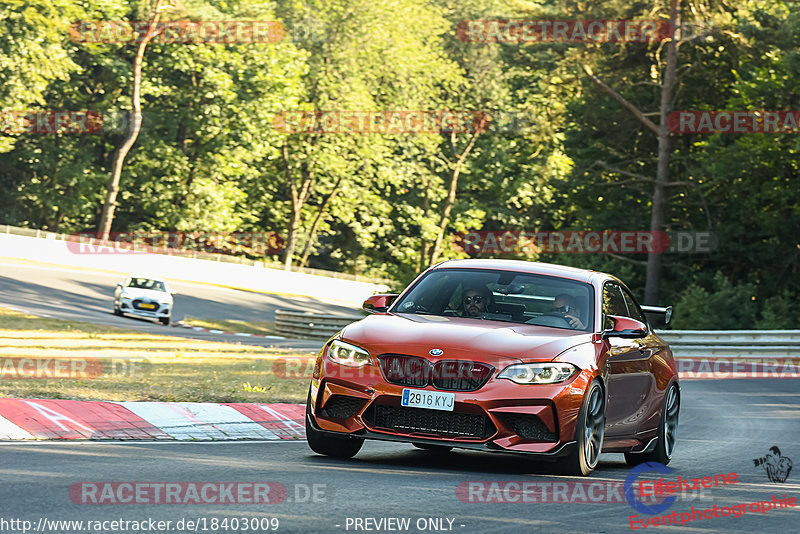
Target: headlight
[
  {"x": 125, "y": 296},
  {"x": 347, "y": 354},
  {"x": 538, "y": 373}
]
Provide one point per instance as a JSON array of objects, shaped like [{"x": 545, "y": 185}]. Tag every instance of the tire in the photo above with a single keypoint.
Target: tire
[
  {"x": 667, "y": 432},
  {"x": 116, "y": 309},
  {"x": 433, "y": 448},
  {"x": 589, "y": 433},
  {"x": 164, "y": 320},
  {"x": 321, "y": 443}
]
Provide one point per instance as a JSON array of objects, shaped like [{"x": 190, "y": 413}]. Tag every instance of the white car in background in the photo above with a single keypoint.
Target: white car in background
[{"x": 144, "y": 296}]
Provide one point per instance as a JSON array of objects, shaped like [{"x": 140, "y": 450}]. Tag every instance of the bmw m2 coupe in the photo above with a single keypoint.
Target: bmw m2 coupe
[{"x": 502, "y": 356}]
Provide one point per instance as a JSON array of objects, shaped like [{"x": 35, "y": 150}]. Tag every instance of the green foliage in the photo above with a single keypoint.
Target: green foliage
[
  {"x": 560, "y": 153},
  {"x": 780, "y": 312},
  {"x": 723, "y": 306}
]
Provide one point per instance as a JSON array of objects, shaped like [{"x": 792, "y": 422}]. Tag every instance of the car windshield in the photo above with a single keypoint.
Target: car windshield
[
  {"x": 147, "y": 283},
  {"x": 507, "y": 296}
]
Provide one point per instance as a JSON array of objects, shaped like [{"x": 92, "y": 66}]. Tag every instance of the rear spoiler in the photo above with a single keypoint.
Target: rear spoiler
[{"x": 661, "y": 310}]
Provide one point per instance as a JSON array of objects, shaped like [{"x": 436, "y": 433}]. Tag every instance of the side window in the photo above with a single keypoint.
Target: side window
[
  {"x": 634, "y": 311},
  {"x": 613, "y": 304}
]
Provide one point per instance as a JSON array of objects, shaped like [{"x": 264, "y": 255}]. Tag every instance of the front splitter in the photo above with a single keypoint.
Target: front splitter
[{"x": 564, "y": 450}]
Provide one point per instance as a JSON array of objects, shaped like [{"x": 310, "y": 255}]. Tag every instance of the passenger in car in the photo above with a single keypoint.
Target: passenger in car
[{"x": 564, "y": 304}]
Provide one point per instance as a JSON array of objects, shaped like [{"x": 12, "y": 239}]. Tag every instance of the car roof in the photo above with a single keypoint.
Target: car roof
[{"x": 532, "y": 267}]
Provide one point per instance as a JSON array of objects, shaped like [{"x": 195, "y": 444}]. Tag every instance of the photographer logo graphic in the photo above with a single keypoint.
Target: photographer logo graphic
[{"x": 778, "y": 467}]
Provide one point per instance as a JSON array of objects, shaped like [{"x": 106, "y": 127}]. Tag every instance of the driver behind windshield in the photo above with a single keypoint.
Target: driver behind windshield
[
  {"x": 564, "y": 305},
  {"x": 476, "y": 301}
]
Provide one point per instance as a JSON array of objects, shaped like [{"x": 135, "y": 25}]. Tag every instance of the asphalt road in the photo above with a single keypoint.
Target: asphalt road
[
  {"x": 87, "y": 296},
  {"x": 724, "y": 425}
]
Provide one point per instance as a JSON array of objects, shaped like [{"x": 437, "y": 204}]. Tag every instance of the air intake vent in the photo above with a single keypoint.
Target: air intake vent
[
  {"x": 529, "y": 427},
  {"x": 430, "y": 422},
  {"x": 342, "y": 407}
]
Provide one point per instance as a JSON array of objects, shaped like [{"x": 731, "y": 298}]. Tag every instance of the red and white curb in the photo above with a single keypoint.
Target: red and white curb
[
  {"x": 46, "y": 419},
  {"x": 211, "y": 331}
]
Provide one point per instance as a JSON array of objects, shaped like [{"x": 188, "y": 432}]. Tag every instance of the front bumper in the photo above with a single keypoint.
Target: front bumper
[
  {"x": 499, "y": 417},
  {"x": 563, "y": 450},
  {"x": 129, "y": 307}
]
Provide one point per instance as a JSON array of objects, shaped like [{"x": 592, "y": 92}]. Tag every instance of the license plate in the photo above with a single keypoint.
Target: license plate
[
  {"x": 435, "y": 400},
  {"x": 147, "y": 306}
]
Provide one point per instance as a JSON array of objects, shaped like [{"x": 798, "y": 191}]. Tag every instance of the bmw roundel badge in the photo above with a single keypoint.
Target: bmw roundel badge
[{"x": 436, "y": 352}]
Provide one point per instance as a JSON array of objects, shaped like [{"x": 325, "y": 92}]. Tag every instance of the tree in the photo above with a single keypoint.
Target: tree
[
  {"x": 107, "y": 216},
  {"x": 365, "y": 63},
  {"x": 661, "y": 130},
  {"x": 33, "y": 53}
]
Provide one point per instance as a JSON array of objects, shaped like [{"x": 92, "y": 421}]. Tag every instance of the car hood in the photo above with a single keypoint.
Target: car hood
[
  {"x": 459, "y": 338},
  {"x": 151, "y": 294}
]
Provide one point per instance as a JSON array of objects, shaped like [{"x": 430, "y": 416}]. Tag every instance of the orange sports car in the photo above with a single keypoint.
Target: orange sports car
[{"x": 507, "y": 356}]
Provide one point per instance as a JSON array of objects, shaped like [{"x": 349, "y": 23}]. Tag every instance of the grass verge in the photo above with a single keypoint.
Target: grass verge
[
  {"x": 266, "y": 328},
  {"x": 139, "y": 367}
]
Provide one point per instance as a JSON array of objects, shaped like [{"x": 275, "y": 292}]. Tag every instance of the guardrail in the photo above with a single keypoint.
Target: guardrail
[
  {"x": 733, "y": 343},
  {"x": 684, "y": 343},
  {"x": 311, "y": 325}
]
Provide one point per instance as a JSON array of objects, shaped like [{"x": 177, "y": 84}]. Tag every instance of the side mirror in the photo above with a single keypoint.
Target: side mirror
[
  {"x": 625, "y": 327},
  {"x": 379, "y": 303},
  {"x": 664, "y": 311},
  {"x": 119, "y": 284}
]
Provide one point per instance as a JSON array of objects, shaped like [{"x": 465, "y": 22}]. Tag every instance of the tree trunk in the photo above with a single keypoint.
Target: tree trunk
[
  {"x": 299, "y": 199},
  {"x": 436, "y": 250},
  {"x": 291, "y": 242},
  {"x": 657, "y": 216},
  {"x": 107, "y": 215},
  {"x": 424, "y": 247},
  {"x": 659, "y": 198},
  {"x": 317, "y": 220}
]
